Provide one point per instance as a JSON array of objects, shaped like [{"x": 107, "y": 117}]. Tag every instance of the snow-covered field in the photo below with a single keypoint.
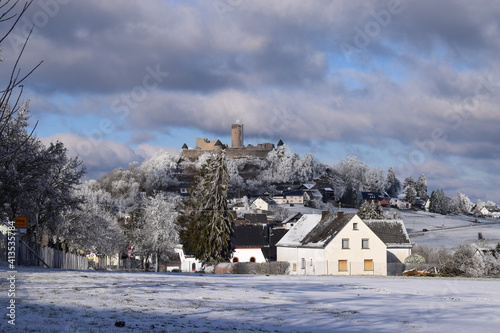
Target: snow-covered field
[
  {"x": 450, "y": 231},
  {"x": 49, "y": 300}
]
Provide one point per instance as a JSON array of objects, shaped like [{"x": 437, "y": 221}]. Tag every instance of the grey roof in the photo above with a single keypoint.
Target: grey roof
[
  {"x": 256, "y": 218},
  {"x": 249, "y": 236},
  {"x": 327, "y": 228},
  {"x": 389, "y": 231},
  {"x": 267, "y": 199}
]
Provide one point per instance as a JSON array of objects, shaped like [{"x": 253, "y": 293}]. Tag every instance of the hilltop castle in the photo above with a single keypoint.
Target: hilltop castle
[{"x": 236, "y": 150}]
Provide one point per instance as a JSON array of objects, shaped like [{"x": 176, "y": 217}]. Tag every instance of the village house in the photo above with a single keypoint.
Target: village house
[
  {"x": 490, "y": 211},
  {"x": 333, "y": 244},
  {"x": 250, "y": 242},
  {"x": 188, "y": 261},
  {"x": 381, "y": 197},
  {"x": 393, "y": 234},
  {"x": 291, "y": 220},
  {"x": 290, "y": 198},
  {"x": 264, "y": 203}
]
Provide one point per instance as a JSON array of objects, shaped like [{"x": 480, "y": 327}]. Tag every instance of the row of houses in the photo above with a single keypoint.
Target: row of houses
[{"x": 322, "y": 244}]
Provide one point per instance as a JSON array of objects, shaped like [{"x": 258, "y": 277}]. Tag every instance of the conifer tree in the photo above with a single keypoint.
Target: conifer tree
[
  {"x": 392, "y": 185},
  {"x": 421, "y": 187},
  {"x": 205, "y": 220}
]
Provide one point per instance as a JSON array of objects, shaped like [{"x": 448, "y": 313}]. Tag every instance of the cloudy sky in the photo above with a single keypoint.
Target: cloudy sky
[{"x": 410, "y": 84}]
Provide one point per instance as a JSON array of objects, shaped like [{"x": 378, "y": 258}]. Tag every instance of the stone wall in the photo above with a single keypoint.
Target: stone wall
[{"x": 251, "y": 151}]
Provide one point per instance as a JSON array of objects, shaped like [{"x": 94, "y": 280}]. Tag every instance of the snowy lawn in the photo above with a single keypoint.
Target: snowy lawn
[
  {"x": 449, "y": 231},
  {"x": 50, "y": 300}
]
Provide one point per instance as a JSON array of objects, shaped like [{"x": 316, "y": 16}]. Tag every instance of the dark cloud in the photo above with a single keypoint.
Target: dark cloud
[{"x": 282, "y": 68}]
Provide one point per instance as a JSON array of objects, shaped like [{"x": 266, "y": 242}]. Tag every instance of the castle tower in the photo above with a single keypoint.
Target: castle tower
[{"x": 237, "y": 136}]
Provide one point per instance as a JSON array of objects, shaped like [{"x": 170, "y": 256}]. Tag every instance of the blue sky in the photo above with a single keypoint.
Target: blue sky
[{"x": 410, "y": 84}]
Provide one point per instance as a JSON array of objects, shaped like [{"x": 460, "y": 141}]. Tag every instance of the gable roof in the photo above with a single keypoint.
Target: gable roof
[
  {"x": 295, "y": 193},
  {"x": 327, "y": 228},
  {"x": 256, "y": 218},
  {"x": 303, "y": 226},
  {"x": 266, "y": 199},
  {"x": 293, "y": 218},
  {"x": 249, "y": 236},
  {"x": 391, "y": 232},
  {"x": 315, "y": 230}
]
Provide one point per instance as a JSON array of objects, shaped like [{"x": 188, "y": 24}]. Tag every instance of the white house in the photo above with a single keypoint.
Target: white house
[
  {"x": 188, "y": 262},
  {"x": 249, "y": 242},
  {"x": 290, "y": 198},
  {"x": 393, "y": 234},
  {"x": 263, "y": 203},
  {"x": 333, "y": 244},
  {"x": 491, "y": 211}
]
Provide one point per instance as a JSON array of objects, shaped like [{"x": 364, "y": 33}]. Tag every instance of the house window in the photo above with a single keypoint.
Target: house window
[
  {"x": 311, "y": 263},
  {"x": 342, "y": 265},
  {"x": 345, "y": 243},
  {"x": 193, "y": 267},
  {"x": 252, "y": 259},
  {"x": 294, "y": 267},
  {"x": 303, "y": 266},
  {"x": 368, "y": 264},
  {"x": 354, "y": 226},
  {"x": 365, "y": 243}
]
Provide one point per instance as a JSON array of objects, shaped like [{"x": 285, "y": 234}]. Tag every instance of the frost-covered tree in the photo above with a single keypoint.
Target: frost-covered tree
[
  {"x": 154, "y": 229},
  {"x": 410, "y": 194},
  {"x": 469, "y": 261},
  {"x": 438, "y": 202},
  {"x": 371, "y": 211},
  {"x": 392, "y": 185},
  {"x": 92, "y": 225},
  {"x": 282, "y": 166},
  {"x": 463, "y": 204},
  {"x": 205, "y": 220},
  {"x": 36, "y": 181},
  {"x": 421, "y": 187},
  {"x": 373, "y": 180},
  {"x": 160, "y": 172},
  {"x": 480, "y": 204},
  {"x": 409, "y": 181}
]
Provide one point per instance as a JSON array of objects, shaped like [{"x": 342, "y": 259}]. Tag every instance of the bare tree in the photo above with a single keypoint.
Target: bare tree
[{"x": 11, "y": 12}]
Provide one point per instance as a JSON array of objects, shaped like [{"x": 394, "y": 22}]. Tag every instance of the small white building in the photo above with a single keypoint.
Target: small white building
[
  {"x": 251, "y": 243},
  {"x": 333, "y": 244},
  {"x": 188, "y": 262},
  {"x": 263, "y": 203}
]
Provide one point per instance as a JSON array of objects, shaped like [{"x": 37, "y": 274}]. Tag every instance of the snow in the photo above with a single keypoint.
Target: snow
[
  {"x": 450, "y": 231},
  {"x": 50, "y": 300},
  {"x": 303, "y": 226}
]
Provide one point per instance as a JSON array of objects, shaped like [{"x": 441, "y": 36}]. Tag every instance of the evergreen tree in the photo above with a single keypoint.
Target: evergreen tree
[
  {"x": 392, "y": 185},
  {"x": 409, "y": 181},
  {"x": 350, "y": 196},
  {"x": 421, "y": 187},
  {"x": 371, "y": 211},
  {"x": 205, "y": 220},
  {"x": 410, "y": 194},
  {"x": 438, "y": 202}
]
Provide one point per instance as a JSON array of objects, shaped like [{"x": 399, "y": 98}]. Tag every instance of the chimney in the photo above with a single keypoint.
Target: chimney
[
  {"x": 324, "y": 214},
  {"x": 340, "y": 214}
]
